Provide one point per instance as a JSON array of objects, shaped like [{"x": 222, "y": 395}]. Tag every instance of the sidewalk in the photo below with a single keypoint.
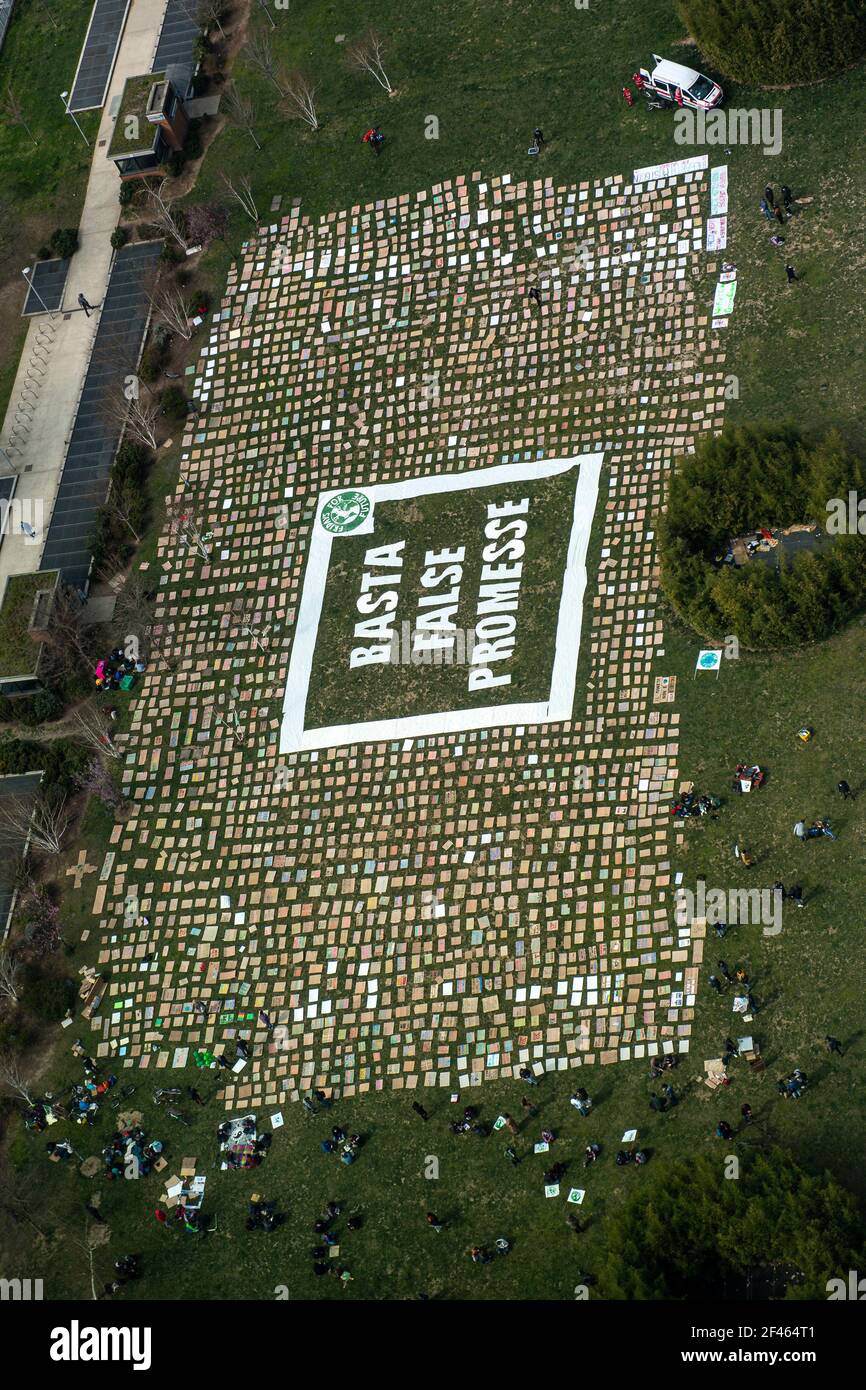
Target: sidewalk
[{"x": 69, "y": 352}]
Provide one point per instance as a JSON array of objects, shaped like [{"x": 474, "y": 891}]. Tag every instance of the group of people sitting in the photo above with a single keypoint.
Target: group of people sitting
[
  {"x": 127, "y": 1147},
  {"x": 347, "y": 1145},
  {"x": 116, "y": 671},
  {"x": 638, "y": 1156},
  {"x": 793, "y": 1086},
  {"x": 263, "y": 1216},
  {"x": 690, "y": 804},
  {"x": 470, "y": 1124}
]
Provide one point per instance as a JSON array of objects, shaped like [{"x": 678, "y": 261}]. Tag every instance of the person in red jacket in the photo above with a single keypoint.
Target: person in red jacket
[{"x": 627, "y": 93}]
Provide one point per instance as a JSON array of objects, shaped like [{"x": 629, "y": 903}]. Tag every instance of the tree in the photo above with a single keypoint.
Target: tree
[
  {"x": 169, "y": 307},
  {"x": 91, "y": 730},
  {"x": 300, "y": 97},
  {"x": 686, "y": 1233},
  {"x": 45, "y": 822},
  {"x": 367, "y": 55},
  {"x": 15, "y": 1080},
  {"x": 157, "y": 209},
  {"x": 69, "y": 647},
  {"x": 10, "y": 975},
  {"x": 206, "y": 223},
  {"x": 244, "y": 195},
  {"x": 775, "y": 42},
  {"x": 137, "y": 418},
  {"x": 210, "y": 12},
  {"x": 240, "y": 111},
  {"x": 186, "y": 522},
  {"x": 12, "y": 111},
  {"x": 260, "y": 53},
  {"x": 135, "y": 617},
  {"x": 97, "y": 781}
]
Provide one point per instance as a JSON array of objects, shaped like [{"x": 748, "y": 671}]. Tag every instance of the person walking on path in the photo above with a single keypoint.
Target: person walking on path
[
  {"x": 419, "y": 1110},
  {"x": 791, "y": 274},
  {"x": 834, "y": 1045},
  {"x": 844, "y": 790},
  {"x": 84, "y": 303}
]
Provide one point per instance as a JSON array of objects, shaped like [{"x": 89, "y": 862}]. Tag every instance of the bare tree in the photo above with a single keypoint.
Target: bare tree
[
  {"x": 12, "y": 111},
  {"x": 69, "y": 648},
  {"x": 135, "y": 616},
  {"x": 187, "y": 523},
  {"x": 45, "y": 822},
  {"x": 157, "y": 209},
  {"x": 210, "y": 12},
  {"x": 90, "y": 729},
  {"x": 14, "y": 1080},
  {"x": 240, "y": 111},
  {"x": 125, "y": 503},
  {"x": 367, "y": 55},
  {"x": 301, "y": 97},
  {"x": 261, "y": 55},
  {"x": 10, "y": 975},
  {"x": 137, "y": 418},
  {"x": 169, "y": 307},
  {"x": 244, "y": 195}
]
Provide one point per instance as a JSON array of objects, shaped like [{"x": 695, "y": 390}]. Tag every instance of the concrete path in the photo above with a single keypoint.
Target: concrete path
[{"x": 60, "y": 347}]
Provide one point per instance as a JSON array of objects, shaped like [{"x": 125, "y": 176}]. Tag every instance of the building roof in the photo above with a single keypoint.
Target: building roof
[{"x": 133, "y": 132}]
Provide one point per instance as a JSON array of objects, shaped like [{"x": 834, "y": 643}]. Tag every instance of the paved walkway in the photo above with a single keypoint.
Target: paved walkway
[{"x": 60, "y": 347}]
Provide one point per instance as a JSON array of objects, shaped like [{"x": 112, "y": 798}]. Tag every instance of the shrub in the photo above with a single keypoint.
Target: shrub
[
  {"x": 151, "y": 362},
  {"x": 171, "y": 253},
  {"x": 734, "y": 483},
  {"x": 64, "y": 242},
  {"x": 147, "y": 231},
  {"x": 119, "y": 237},
  {"x": 47, "y": 997},
  {"x": 173, "y": 402},
  {"x": 773, "y": 42},
  {"x": 126, "y": 194},
  {"x": 40, "y": 708}
]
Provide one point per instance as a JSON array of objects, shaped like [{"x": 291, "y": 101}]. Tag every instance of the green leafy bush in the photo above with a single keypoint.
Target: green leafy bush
[
  {"x": 119, "y": 237},
  {"x": 775, "y": 42},
  {"x": 733, "y": 484},
  {"x": 40, "y": 708},
  {"x": 64, "y": 242},
  {"x": 173, "y": 403}
]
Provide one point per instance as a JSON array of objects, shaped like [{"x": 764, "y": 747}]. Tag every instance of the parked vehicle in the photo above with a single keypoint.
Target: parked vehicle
[{"x": 665, "y": 79}]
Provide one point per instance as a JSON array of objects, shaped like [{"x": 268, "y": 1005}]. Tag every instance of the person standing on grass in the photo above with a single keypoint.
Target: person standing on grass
[
  {"x": 844, "y": 790},
  {"x": 766, "y": 210},
  {"x": 800, "y": 830},
  {"x": 434, "y": 1223},
  {"x": 510, "y": 1124},
  {"x": 787, "y": 198},
  {"x": 716, "y": 984},
  {"x": 746, "y": 1112},
  {"x": 791, "y": 274},
  {"x": 795, "y": 893},
  {"x": 526, "y": 1075},
  {"x": 834, "y": 1045},
  {"x": 723, "y": 1130},
  {"x": 722, "y": 966},
  {"x": 419, "y": 1110},
  {"x": 770, "y": 195},
  {"x": 529, "y": 1107},
  {"x": 628, "y": 95},
  {"x": 538, "y": 137}
]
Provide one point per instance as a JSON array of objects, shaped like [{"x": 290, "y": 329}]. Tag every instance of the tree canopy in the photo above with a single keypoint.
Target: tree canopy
[
  {"x": 741, "y": 480},
  {"x": 775, "y": 42},
  {"x": 688, "y": 1231}
]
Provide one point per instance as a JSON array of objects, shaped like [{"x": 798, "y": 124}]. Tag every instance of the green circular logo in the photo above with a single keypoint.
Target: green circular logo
[{"x": 345, "y": 512}]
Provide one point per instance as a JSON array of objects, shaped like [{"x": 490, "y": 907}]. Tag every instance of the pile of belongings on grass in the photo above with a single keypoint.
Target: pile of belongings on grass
[
  {"x": 128, "y": 1155},
  {"x": 116, "y": 671},
  {"x": 240, "y": 1144},
  {"x": 40, "y": 1115},
  {"x": 690, "y": 804},
  {"x": 748, "y": 778}
]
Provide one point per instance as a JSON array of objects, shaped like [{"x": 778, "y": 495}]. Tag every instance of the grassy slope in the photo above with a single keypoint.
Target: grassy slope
[
  {"x": 42, "y": 185},
  {"x": 492, "y": 76}
]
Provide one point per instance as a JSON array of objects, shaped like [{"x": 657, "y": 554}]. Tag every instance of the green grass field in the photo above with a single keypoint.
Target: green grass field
[
  {"x": 491, "y": 74},
  {"x": 43, "y": 177}
]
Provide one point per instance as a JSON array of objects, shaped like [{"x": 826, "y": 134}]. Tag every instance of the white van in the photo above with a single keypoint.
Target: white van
[{"x": 667, "y": 78}]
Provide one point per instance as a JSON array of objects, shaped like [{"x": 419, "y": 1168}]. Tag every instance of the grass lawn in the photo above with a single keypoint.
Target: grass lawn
[
  {"x": 491, "y": 75},
  {"x": 41, "y": 184}
]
